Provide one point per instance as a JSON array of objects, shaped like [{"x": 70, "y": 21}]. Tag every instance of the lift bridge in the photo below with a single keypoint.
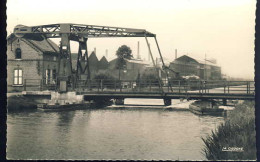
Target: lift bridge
[{"x": 80, "y": 81}]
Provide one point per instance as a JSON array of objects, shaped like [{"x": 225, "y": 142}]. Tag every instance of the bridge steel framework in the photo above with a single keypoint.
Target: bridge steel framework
[{"x": 80, "y": 33}]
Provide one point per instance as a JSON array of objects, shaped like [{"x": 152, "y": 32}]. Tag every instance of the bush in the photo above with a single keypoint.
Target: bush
[
  {"x": 107, "y": 80},
  {"x": 147, "y": 79},
  {"x": 237, "y": 131}
]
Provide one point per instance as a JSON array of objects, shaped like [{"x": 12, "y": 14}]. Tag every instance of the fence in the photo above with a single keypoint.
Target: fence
[
  {"x": 179, "y": 86},
  {"x": 38, "y": 85},
  {"x": 173, "y": 86}
]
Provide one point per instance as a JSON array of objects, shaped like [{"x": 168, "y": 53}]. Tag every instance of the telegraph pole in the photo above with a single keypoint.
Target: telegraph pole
[
  {"x": 138, "y": 48},
  {"x": 205, "y": 68},
  {"x": 148, "y": 52}
]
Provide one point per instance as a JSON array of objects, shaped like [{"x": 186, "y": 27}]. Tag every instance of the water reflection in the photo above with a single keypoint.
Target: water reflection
[
  {"x": 108, "y": 134},
  {"x": 65, "y": 118}
]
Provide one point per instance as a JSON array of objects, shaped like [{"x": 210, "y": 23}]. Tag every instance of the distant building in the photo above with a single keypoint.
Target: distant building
[
  {"x": 95, "y": 65},
  {"x": 162, "y": 72},
  {"x": 188, "y": 66},
  {"x": 151, "y": 70},
  {"x": 103, "y": 63},
  {"x": 133, "y": 68},
  {"x": 30, "y": 62}
]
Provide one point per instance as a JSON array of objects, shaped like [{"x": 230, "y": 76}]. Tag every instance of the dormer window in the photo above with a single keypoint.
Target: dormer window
[{"x": 18, "y": 53}]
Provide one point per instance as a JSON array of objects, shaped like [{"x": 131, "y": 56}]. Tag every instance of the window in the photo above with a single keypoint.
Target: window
[
  {"x": 18, "y": 53},
  {"x": 47, "y": 76},
  {"x": 18, "y": 77},
  {"x": 50, "y": 76},
  {"x": 53, "y": 76}
]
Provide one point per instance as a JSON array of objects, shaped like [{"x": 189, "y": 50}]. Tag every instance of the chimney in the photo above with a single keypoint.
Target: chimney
[
  {"x": 95, "y": 50},
  {"x": 175, "y": 53},
  {"x": 106, "y": 53},
  {"x": 138, "y": 54}
]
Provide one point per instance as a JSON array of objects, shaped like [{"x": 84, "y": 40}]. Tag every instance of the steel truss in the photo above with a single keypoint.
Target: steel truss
[
  {"x": 77, "y": 31},
  {"x": 80, "y": 33}
]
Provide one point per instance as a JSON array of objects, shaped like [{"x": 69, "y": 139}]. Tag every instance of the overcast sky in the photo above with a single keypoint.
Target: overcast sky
[{"x": 221, "y": 29}]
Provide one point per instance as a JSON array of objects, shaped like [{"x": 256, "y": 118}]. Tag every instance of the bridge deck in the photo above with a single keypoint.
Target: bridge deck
[{"x": 91, "y": 95}]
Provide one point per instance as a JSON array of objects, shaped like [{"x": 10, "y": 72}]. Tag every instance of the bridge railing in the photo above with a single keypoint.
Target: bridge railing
[
  {"x": 38, "y": 84},
  {"x": 172, "y": 86}
]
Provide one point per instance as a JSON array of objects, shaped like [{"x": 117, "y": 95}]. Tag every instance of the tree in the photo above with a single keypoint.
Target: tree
[
  {"x": 147, "y": 79},
  {"x": 123, "y": 52}
]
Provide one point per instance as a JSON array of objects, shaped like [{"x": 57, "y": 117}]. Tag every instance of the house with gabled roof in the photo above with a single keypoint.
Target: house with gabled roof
[
  {"x": 95, "y": 65},
  {"x": 103, "y": 63},
  {"x": 30, "y": 63}
]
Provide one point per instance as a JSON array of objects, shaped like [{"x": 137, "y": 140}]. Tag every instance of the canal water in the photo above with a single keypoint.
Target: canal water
[{"x": 110, "y": 133}]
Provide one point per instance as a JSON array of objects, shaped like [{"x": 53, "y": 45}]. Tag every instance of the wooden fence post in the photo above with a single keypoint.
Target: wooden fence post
[
  {"x": 131, "y": 85},
  {"x": 168, "y": 87},
  {"x": 41, "y": 84},
  {"x": 120, "y": 85},
  {"x": 179, "y": 86},
  {"x": 228, "y": 86},
  {"x": 225, "y": 87},
  {"x": 102, "y": 85},
  {"x": 150, "y": 85},
  {"x": 115, "y": 84},
  {"x": 98, "y": 85},
  {"x": 139, "y": 85},
  {"x": 199, "y": 86},
  {"x": 249, "y": 87}
]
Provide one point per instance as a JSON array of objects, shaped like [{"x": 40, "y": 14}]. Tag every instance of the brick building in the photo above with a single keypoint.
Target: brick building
[{"x": 30, "y": 62}]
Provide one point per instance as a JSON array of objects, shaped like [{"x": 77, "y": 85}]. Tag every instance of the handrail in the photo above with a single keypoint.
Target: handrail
[{"x": 148, "y": 85}]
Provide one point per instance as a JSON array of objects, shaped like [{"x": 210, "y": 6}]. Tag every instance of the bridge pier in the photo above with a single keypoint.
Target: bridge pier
[
  {"x": 119, "y": 101},
  {"x": 167, "y": 102},
  {"x": 224, "y": 102}
]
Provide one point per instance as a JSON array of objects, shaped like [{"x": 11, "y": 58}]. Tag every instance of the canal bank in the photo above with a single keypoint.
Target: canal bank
[
  {"x": 235, "y": 139},
  {"x": 174, "y": 135},
  {"x": 107, "y": 133}
]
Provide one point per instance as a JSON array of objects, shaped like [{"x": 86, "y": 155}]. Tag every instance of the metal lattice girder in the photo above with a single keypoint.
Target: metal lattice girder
[
  {"x": 77, "y": 30},
  {"x": 80, "y": 33}
]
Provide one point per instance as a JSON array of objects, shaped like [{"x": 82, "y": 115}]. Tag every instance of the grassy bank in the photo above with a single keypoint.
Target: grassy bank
[{"x": 237, "y": 132}]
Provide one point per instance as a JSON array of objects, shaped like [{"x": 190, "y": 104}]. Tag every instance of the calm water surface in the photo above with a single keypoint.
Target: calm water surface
[{"x": 108, "y": 133}]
